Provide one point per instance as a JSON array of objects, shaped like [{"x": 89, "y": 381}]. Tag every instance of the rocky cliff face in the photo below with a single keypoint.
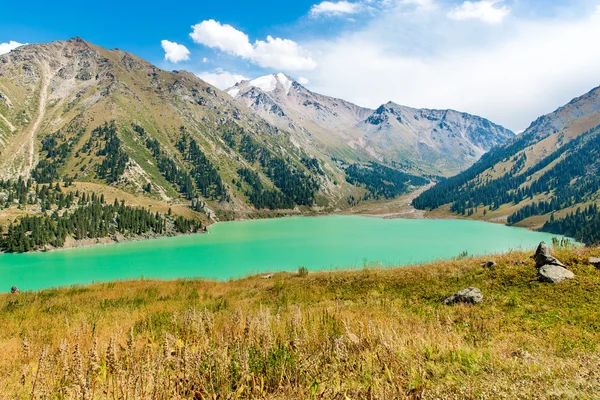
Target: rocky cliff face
[
  {"x": 440, "y": 142},
  {"x": 443, "y": 140}
]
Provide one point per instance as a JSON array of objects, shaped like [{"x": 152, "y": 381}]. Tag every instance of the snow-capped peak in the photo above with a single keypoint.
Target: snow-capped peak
[
  {"x": 233, "y": 91},
  {"x": 269, "y": 83},
  {"x": 285, "y": 81}
]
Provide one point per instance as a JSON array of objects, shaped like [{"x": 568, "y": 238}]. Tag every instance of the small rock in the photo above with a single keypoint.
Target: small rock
[
  {"x": 543, "y": 256},
  {"x": 488, "y": 264},
  {"x": 14, "y": 290},
  {"x": 469, "y": 295},
  {"x": 554, "y": 274},
  {"x": 522, "y": 354},
  {"x": 595, "y": 261},
  {"x": 269, "y": 276}
]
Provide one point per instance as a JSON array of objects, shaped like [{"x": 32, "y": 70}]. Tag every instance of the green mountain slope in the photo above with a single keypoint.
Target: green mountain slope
[
  {"x": 74, "y": 111},
  {"x": 545, "y": 173}
]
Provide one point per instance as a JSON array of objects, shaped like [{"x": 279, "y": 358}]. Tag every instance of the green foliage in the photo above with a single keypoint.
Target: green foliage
[
  {"x": 572, "y": 180},
  {"x": 302, "y": 272},
  {"x": 294, "y": 182},
  {"x": 167, "y": 167},
  {"x": 204, "y": 174},
  {"x": 83, "y": 216},
  {"x": 57, "y": 147},
  {"x": 584, "y": 225},
  {"x": 114, "y": 157},
  {"x": 262, "y": 197},
  {"x": 382, "y": 181}
]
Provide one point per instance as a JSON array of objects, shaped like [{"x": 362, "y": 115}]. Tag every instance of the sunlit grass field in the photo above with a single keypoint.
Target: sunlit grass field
[{"x": 372, "y": 333}]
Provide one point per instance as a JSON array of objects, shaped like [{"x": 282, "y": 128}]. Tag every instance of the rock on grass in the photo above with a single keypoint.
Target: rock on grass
[
  {"x": 554, "y": 274},
  {"x": 469, "y": 296}
]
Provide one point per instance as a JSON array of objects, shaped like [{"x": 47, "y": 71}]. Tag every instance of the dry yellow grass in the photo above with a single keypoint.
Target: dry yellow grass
[{"x": 358, "y": 334}]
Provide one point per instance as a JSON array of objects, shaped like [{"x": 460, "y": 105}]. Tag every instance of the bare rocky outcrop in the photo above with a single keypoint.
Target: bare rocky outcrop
[
  {"x": 550, "y": 269},
  {"x": 543, "y": 256},
  {"x": 469, "y": 295},
  {"x": 554, "y": 274},
  {"x": 393, "y": 132}
]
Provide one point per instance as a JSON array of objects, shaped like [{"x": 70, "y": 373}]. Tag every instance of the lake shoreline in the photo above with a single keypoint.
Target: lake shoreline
[
  {"x": 72, "y": 243},
  {"x": 240, "y": 248}
]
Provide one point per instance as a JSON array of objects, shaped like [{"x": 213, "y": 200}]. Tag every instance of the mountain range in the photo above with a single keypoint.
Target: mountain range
[
  {"x": 74, "y": 112},
  {"x": 436, "y": 142},
  {"x": 547, "y": 177},
  {"x": 70, "y": 110}
]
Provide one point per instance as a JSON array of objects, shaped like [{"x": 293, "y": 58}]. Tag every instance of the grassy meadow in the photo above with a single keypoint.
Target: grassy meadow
[{"x": 367, "y": 334}]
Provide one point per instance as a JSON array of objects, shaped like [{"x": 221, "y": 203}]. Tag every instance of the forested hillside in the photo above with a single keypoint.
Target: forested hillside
[
  {"x": 77, "y": 215},
  {"x": 547, "y": 173},
  {"x": 82, "y": 113}
]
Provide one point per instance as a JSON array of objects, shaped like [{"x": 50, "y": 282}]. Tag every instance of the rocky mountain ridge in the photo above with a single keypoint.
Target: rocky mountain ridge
[{"x": 438, "y": 142}]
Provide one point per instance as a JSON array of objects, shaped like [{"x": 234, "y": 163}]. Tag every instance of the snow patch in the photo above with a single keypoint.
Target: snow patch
[
  {"x": 265, "y": 83},
  {"x": 233, "y": 92},
  {"x": 270, "y": 83},
  {"x": 285, "y": 82}
]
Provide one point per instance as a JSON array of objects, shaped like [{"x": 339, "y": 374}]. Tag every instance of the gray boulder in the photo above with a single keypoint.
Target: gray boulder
[
  {"x": 543, "y": 256},
  {"x": 488, "y": 264},
  {"x": 469, "y": 296},
  {"x": 554, "y": 274},
  {"x": 14, "y": 290},
  {"x": 595, "y": 261}
]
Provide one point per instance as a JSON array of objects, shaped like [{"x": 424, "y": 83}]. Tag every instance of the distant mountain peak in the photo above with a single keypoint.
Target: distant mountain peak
[
  {"x": 438, "y": 141},
  {"x": 267, "y": 83}
]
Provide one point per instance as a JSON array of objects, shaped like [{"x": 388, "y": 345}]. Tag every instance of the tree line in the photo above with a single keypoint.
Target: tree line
[
  {"x": 382, "y": 181},
  {"x": 582, "y": 225},
  {"x": 81, "y": 216}
]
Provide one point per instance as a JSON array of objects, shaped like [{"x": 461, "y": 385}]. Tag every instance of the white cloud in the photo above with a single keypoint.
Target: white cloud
[
  {"x": 223, "y": 37},
  {"x": 488, "y": 11},
  {"x": 513, "y": 74},
  {"x": 282, "y": 54},
  {"x": 303, "y": 81},
  {"x": 204, "y": 60},
  {"x": 334, "y": 8},
  {"x": 175, "y": 52},
  {"x": 276, "y": 53},
  {"x": 6, "y": 47},
  {"x": 221, "y": 79}
]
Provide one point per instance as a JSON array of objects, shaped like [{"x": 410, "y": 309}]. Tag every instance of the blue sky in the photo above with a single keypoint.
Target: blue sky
[{"x": 507, "y": 60}]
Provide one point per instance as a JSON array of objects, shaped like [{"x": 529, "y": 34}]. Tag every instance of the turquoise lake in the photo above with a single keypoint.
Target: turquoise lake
[{"x": 241, "y": 248}]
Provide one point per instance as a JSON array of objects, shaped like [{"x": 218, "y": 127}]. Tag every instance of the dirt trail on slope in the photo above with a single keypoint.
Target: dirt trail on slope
[{"x": 18, "y": 157}]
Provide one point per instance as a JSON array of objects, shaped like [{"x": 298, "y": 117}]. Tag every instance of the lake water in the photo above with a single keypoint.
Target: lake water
[{"x": 237, "y": 249}]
